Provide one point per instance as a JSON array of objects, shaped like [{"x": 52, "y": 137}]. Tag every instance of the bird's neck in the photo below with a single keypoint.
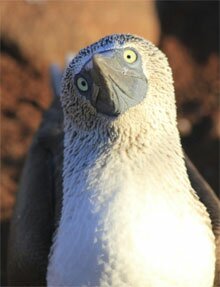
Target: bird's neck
[{"x": 153, "y": 153}]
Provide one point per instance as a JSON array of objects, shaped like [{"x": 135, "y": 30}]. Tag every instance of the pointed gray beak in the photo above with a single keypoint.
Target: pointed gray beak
[
  {"x": 103, "y": 97},
  {"x": 114, "y": 90}
]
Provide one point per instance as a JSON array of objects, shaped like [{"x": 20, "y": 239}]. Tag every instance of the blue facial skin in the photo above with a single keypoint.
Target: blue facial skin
[{"x": 114, "y": 85}]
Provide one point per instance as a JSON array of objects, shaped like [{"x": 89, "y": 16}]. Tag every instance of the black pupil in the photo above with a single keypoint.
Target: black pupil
[
  {"x": 83, "y": 83},
  {"x": 129, "y": 56}
]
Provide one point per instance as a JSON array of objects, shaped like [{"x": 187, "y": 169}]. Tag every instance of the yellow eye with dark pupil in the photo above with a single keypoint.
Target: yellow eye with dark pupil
[
  {"x": 82, "y": 84},
  {"x": 130, "y": 56}
]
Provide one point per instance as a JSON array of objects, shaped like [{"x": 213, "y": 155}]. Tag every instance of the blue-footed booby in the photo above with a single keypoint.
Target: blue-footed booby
[{"x": 105, "y": 198}]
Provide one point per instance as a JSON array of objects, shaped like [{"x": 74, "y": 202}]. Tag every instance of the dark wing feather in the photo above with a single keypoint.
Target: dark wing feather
[
  {"x": 38, "y": 204},
  {"x": 210, "y": 200}
]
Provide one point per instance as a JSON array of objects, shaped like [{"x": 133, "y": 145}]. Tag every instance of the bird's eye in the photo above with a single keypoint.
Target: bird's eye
[
  {"x": 130, "y": 56},
  {"x": 82, "y": 84}
]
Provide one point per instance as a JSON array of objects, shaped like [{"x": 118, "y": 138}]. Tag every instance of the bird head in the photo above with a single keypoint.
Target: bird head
[
  {"x": 119, "y": 77},
  {"x": 113, "y": 80}
]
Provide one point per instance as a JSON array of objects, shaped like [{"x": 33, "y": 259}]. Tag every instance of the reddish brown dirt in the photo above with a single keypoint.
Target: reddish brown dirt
[
  {"x": 47, "y": 30},
  {"x": 197, "y": 89},
  {"x": 26, "y": 94}
]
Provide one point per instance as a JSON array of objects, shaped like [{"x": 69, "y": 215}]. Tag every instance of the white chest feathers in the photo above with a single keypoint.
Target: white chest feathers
[{"x": 121, "y": 225}]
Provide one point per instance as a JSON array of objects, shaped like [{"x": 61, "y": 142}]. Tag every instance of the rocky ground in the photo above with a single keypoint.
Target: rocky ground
[{"x": 35, "y": 34}]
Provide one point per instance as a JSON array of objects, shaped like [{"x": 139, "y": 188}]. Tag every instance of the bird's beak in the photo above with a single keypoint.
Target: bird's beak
[
  {"x": 115, "y": 89},
  {"x": 104, "y": 98}
]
